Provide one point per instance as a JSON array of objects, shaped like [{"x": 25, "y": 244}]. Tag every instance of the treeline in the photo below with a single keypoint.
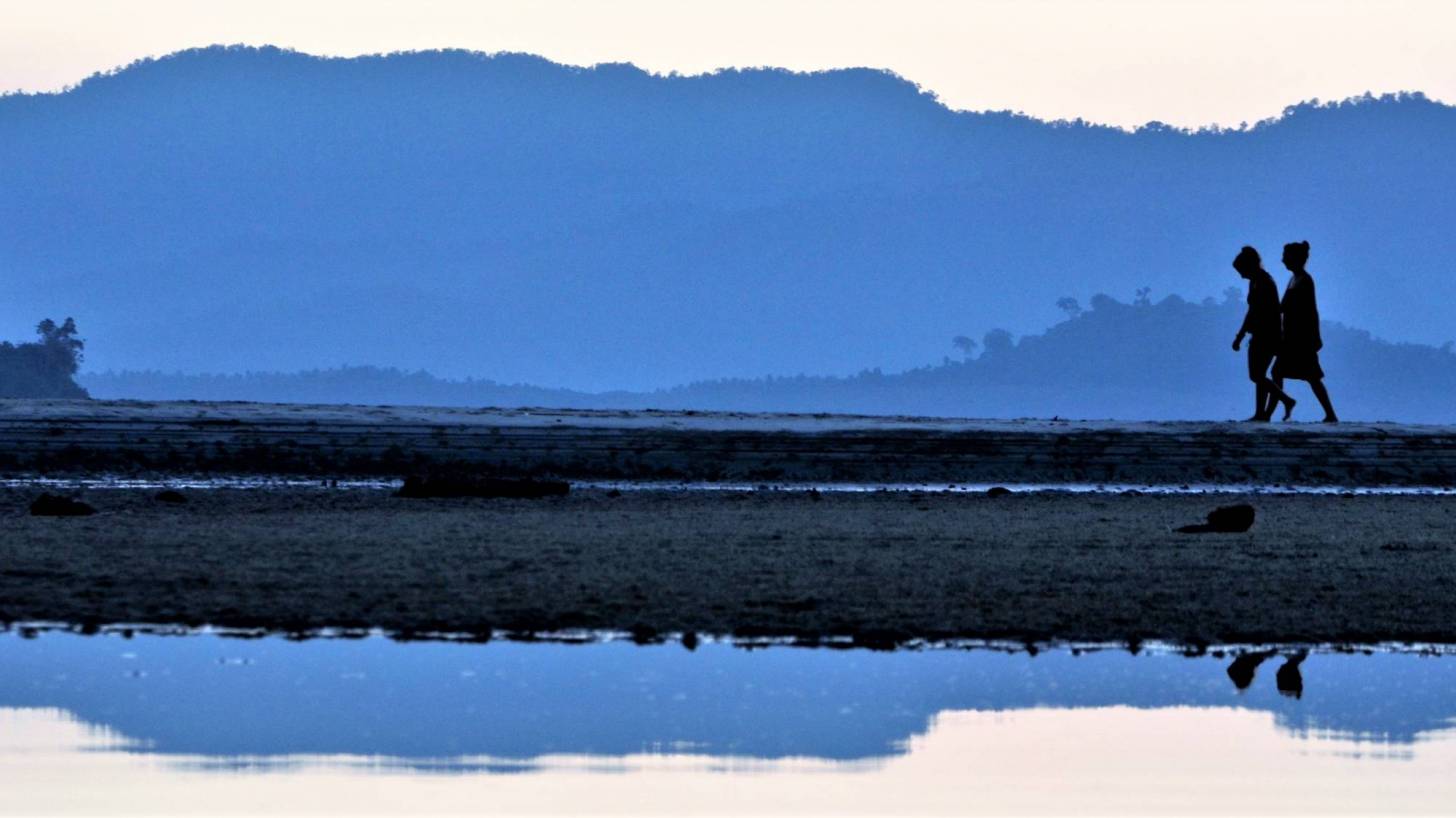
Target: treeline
[
  {"x": 1167, "y": 360},
  {"x": 367, "y": 385},
  {"x": 45, "y": 368}
]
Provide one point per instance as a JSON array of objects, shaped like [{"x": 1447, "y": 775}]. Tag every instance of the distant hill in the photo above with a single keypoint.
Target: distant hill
[
  {"x": 1169, "y": 360},
  {"x": 235, "y": 209}
]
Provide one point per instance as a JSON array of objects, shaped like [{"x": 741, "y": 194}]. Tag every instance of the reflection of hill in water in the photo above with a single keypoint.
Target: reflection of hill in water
[{"x": 212, "y": 697}]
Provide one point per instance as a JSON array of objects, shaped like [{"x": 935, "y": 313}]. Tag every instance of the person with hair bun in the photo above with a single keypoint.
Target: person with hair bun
[
  {"x": 1262, "y": 323},
  {"x": 1299, "y": 353}
]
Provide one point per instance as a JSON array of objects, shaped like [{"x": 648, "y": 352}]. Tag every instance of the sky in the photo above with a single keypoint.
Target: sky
[{"x": 1122, "y": 62}]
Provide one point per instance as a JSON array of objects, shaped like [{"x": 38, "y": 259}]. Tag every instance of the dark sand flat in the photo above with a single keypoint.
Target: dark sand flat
[
  {"x": 880, "y": 566},
  {"x": 80, "y": 437}
]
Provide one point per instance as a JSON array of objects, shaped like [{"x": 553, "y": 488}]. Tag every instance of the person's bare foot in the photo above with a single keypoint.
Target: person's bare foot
[
  {"x": 1257, "y": 419},
  {"x": 1288, "y": 408},
  {"x": 1330, "y": 419}
]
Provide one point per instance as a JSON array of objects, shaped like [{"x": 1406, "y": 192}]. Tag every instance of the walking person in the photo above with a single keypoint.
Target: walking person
[
  {"x": 1299, "y": 352},
  {"x": 1262, "y": 323}
]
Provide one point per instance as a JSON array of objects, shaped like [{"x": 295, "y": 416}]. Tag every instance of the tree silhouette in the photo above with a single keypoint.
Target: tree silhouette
[
  {"x": 61, "y": 344},
  {"x": 998, "y": 341},
  {"x": 46, "y": 367}
]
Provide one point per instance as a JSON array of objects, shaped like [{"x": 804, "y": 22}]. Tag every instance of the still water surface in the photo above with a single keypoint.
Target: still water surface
[{"x": 205, "y": 724}]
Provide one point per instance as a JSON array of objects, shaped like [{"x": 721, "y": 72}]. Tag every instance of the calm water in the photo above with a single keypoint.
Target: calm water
[{"x": 209, "y": 724}]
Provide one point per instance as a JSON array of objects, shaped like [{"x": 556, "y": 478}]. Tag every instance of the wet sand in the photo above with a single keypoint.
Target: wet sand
[{"x": 881, "y": 567}]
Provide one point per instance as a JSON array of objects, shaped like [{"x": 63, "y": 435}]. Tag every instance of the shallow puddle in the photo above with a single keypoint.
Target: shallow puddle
[{"x": 205, "y": 724}]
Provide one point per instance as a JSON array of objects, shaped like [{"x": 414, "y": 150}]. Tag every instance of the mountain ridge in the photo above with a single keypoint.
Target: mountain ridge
[{"x": 256, "y": 209}]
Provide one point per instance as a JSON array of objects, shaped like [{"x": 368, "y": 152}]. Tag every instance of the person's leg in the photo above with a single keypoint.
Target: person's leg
[
  {"x": 1317, "y": 386},
  {"x": 1261, "y": 397},
  {"x": 1275, "y": 395},
  {"x": 1270, "y": 404},
  {"x": 1278, "y": 390},
  {"x": 1259, "y": 360}
]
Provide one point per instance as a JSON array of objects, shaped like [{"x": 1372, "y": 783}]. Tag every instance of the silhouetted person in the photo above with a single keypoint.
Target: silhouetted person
[
  {"x": 1241, "y": 671},
  {"x": 1288, "y": 678},
  {"x": 1299, "y": 353},
  {"x": 1262, "y": 323}
]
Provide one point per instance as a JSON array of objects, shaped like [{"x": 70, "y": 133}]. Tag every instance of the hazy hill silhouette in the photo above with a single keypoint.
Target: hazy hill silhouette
[
  {"x": 233, "y": 209},
  {"x": 1168, "y": 360}
]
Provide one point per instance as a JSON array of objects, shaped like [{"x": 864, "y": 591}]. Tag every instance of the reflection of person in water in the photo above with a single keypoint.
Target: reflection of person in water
[
  {"x": 1288, "y": 679},
  {"x": 1299, "y": 352},
  {"x": 1241, "y": 671},
  {"x": 1262, "y": 323}
]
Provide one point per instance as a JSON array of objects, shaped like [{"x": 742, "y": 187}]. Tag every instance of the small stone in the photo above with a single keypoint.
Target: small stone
[
  {"x": 1234, "y": 519},
  {"x": 997, "y": 491}
]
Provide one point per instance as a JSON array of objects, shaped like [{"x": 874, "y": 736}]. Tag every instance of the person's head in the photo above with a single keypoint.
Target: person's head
[
  {"x": 1295, "y": 256},
  {"x": 1247, "y": 262}
]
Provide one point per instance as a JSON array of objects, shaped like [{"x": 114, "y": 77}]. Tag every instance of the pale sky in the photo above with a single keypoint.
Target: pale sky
[{"x": 1123, "y": 62}]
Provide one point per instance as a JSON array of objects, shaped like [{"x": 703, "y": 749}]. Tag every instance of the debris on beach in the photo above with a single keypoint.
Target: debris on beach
[
  {"x": 1234, "y": 519},
  {"x": 456, "y": 486},
  {"x": 998, "y": 491},
  {"x": 54, "y": 505},
  {"x": 170, "y": 496}
]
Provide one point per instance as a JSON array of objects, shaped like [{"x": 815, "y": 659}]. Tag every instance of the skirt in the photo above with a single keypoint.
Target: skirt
[{"x": 1299, "y": 364}]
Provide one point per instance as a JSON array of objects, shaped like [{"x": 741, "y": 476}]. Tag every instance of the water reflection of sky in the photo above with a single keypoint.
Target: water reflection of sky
[
  {"x": 212, "y": 696},
  {"x": 207, "y": 708}
]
